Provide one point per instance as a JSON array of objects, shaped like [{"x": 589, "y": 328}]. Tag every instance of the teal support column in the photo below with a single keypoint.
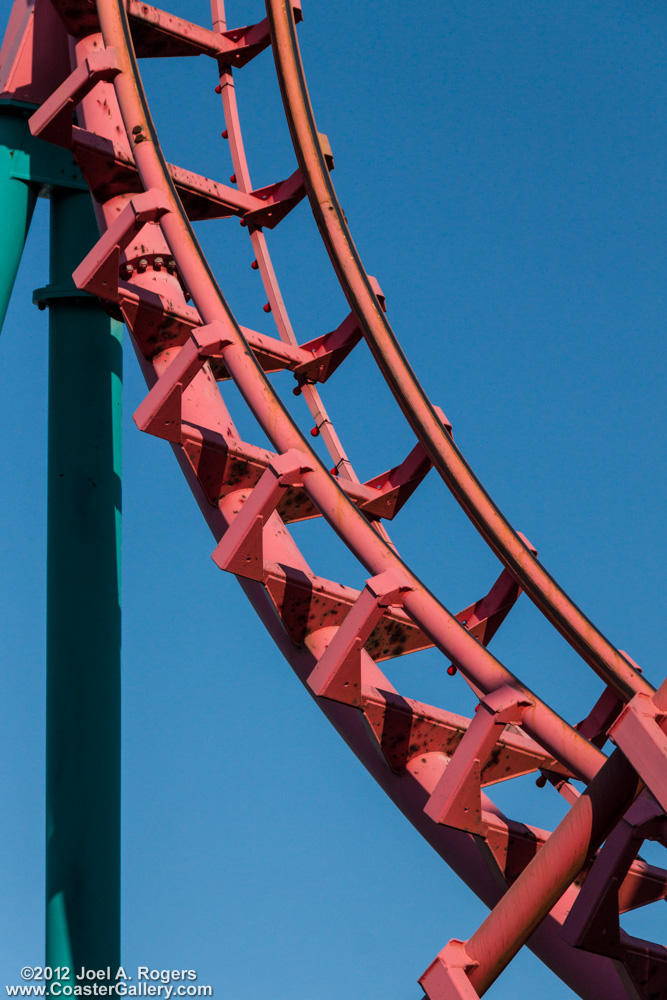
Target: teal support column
[
  {"x": 83, "y": 607},
  {"x": 27, "y": 167},
  {"x": 17, "y": 203}
]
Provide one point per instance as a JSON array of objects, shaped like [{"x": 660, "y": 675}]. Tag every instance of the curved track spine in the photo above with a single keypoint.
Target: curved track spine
[
  {"x": 249, "y": 520},
  {"x": 554, "y": 603}
]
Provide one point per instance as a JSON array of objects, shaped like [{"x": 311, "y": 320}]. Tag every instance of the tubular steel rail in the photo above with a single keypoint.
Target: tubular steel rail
[{"x": 562, "y": 892}]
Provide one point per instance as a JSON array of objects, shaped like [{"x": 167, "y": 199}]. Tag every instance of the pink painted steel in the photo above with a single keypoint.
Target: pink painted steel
[
  {"x": 443, "y": 629},
  {"x": 456, "y": 799},
  {"x": 560, "y": 610},
  {"x": 255, "y": 390},
  {"x": 542, "y": 883},
  {"x": 640, "y": 733},
  {"x": 338, "y": 672},
  {"x": 33, "y": 57},
  {"x": 248, "y": 495},
  {"x": 263, "y": 258},
  {"x": 241, "y": 549},
  {"x": 593, "y": 922},
  {"x": 53, "y": 120}
]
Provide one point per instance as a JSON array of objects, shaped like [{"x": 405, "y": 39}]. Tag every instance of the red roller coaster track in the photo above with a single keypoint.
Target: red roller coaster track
[{"x": 563, "y": 892}]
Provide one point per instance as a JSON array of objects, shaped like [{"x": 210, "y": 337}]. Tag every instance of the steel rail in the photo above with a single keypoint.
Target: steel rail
[
  {"x": 325, "y": 492},
  {"x": 263, "y": 258},
  {"x": 356, "y": 532},
  {"x": 474, "y": 660},
  {"x": 594, "y": 648}
]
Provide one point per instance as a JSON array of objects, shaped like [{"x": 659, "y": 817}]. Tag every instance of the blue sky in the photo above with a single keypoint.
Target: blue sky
[{"x": 501, "y": 166}]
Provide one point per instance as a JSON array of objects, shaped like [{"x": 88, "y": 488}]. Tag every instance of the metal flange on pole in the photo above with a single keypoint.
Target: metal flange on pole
[{"x": 83, "y": 552}]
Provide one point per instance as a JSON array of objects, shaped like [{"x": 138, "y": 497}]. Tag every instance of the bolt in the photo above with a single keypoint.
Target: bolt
[
  {"x": 139, "y": 138},
  {"x": 137, "y": 129},
  {"x": 157, "y": 263},
  {"x": 127, "y": 270},
  {"x": 171, "y": 265},
  {"x": 142, "y": 265}
]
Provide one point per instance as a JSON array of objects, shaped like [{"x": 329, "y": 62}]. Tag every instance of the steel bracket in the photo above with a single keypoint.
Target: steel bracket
[
  {"x": 337, "y": 674},
  {"x": 241, "y": 549},
  {"x": 249, "y": 41},
  {"x": 593, "y": 921},
  {"x": 639, "y": 733},
  {"x": 330, "y": 349},
  {"x": 398, "y": 484},
  {"x": 447, "y": 976},
  {"x": 456, "y": 800},
  {"x": 98, "y": 272},
  {"x": 160, "y": 413},
  {"x": 277, "y": 200},
  {"x": 483, "y": 618},
  {"x": 53, "y": 120}
]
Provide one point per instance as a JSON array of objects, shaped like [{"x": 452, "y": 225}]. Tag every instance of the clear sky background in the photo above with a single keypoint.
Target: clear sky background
[{"x": 502, "y": 168}]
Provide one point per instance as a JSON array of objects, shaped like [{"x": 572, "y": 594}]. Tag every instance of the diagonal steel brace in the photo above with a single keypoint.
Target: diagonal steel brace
[
  {"x": 639, "y": 732},
  {"x": 53, "y": 120},
  {"x": 160, "y": 413},
  {"x": 241, "y": 550},
  {"x": 337, "y": 674},
  {"x": 457, "y": 798},
  {"x": 98, "y": 271}
]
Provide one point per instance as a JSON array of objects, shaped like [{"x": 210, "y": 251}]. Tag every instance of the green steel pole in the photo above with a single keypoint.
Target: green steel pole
[
  {"x": 83, "y": 608},
  {"x": 17, "y": 203}
]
